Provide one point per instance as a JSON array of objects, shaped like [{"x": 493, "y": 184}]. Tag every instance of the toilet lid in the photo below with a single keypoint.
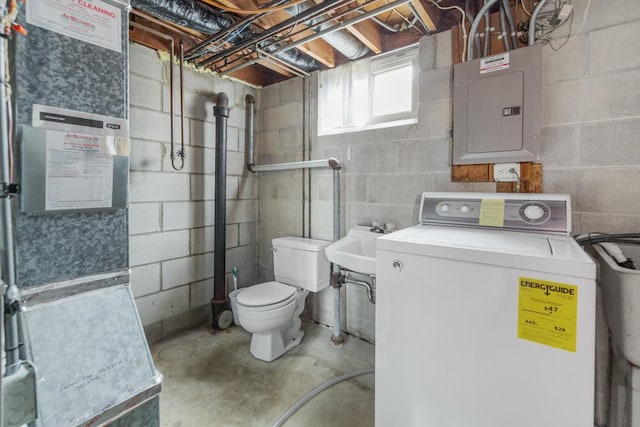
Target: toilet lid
[{"x": 267, "y": 293}]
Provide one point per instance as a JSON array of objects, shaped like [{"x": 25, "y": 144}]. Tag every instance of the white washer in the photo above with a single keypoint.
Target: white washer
[{"x": 481, "y": 325}]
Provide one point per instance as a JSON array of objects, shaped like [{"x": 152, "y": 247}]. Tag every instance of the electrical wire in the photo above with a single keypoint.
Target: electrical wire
[
  {"x": 584, "y": 19},
  {"x": 224, "y": 7},
  {"x": 464, "y": 29},
  {"x": 525, "y": 9},
  {"x": 316, "y": 391},
  {"x": 555, "y": 49},
  {"x": 595, "y": 237}
]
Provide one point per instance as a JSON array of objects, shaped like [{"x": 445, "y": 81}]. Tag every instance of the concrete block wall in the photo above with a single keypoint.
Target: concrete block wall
[
  {"x": 171, "y": 213},
  {"x": 591, "y": 117},
  {"x": 279, "y": 138}
]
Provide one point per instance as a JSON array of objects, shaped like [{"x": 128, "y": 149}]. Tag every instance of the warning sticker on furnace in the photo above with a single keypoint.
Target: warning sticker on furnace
[{"x": 547, "y": 313}]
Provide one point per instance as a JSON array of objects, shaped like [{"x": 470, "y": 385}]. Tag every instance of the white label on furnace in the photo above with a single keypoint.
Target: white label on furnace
[
  {"x": 91, "y": 21},
  {"x": 79, "y": 173},
  {"x": 494, "y": 63}
]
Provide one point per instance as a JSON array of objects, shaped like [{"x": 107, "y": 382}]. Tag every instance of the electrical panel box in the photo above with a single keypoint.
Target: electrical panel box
[{"x": 497, "y": 108}]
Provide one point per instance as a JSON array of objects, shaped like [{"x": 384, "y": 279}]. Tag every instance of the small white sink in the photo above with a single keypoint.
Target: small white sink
[{"x": 356, "y": 251}]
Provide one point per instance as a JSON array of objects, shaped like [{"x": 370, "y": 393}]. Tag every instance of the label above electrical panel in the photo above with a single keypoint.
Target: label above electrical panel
[
  {"x": 91, "y": 21},
  {"x": 79, "y": 171},
  {"x": 494, "y": 63},
  {"x": 547, "y": 313}
]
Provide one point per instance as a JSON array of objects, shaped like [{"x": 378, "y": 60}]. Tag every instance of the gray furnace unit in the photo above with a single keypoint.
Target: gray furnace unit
[{"x": 497, "y": 108}]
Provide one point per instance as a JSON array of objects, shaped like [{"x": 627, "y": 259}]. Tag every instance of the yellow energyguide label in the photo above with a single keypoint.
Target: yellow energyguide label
[
  {"x": 548, "y": 312},
  {"x": 492, "y": 212}
]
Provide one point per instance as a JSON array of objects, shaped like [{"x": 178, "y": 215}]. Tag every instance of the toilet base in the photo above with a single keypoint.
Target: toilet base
[{"x": 270, "y": 346}]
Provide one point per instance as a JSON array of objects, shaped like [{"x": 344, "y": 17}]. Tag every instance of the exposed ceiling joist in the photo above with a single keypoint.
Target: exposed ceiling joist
[
  {"x": 290, "y": 38},
  {"x": 425, "y": 16}
]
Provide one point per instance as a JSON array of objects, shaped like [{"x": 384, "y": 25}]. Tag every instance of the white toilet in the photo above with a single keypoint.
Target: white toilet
[{"x": 271, "y": 310}]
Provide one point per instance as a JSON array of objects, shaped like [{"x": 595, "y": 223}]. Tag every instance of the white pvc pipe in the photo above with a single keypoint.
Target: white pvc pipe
[{"x": 331, "y": 162}]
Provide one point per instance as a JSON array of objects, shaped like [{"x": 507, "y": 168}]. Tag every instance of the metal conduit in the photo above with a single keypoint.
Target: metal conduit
[
  {"x": 487, "y": 32},
  {"x": 532, "y": 21},
  {"x": 304, "y": 16},
  {"x": 504, "y": 28},
  {"x": 200, "y": 48},
  {"x": 474, "y": 28}
]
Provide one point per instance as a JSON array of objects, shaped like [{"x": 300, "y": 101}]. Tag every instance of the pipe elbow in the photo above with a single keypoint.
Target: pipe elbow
[
  {"x": 222, "y": 100},
  {"x": 335, "y": 164}
]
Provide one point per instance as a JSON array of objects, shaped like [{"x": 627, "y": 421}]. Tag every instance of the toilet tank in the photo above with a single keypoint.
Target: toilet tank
[{"x": 301, "y": 262}]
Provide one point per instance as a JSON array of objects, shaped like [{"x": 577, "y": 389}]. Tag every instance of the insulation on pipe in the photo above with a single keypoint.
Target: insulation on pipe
[{"x": 342, "y": 41}]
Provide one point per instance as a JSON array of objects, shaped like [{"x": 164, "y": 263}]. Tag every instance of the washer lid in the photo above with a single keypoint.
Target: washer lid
[
  {"x": 529, "y": 251},
  {"x": 267, "y": 293}
]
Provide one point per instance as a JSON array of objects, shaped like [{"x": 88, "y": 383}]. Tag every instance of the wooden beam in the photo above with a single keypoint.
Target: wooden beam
[
  {"x": 424, "y": 15},
  {"x": 318, "y": 49},
  {"x": 369, "y": 34}
]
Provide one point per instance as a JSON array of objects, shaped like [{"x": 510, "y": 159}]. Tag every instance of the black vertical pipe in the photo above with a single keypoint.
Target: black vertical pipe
[{"x": 219, "y": 302}]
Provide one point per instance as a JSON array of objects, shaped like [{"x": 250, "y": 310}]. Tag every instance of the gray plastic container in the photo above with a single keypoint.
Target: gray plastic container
[{"x": 621, "y": 300}]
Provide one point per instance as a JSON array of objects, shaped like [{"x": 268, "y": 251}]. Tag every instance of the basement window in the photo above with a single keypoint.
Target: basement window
[{"x": 367, "y": 94}]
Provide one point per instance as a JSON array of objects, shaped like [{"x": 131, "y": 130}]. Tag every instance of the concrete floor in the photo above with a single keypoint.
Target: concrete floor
[{"x": 212, "y": 380}]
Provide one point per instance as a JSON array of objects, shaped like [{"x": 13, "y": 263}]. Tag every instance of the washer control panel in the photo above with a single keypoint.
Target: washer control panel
[{"x": 544, "y": 213}]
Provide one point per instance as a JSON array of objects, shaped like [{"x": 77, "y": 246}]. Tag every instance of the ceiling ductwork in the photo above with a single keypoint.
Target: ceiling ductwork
[
  {"x": 341, "y": 40},
  {"x": 189, "y": 13}
]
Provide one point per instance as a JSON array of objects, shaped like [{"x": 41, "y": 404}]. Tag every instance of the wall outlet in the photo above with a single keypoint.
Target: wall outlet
[{"x": 506, "y": 172}]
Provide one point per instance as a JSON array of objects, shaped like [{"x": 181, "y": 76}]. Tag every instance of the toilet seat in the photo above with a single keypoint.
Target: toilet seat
[{"x": 267, "y": 296}]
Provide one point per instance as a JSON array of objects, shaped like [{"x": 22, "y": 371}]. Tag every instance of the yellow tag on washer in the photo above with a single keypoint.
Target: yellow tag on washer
[
  {"x": 548, "y": 313},
  {"x": 492, "y": 212}
]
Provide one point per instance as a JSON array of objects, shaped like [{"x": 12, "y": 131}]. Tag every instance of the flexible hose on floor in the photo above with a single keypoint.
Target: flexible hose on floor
[{"x": 316, "y": 391}]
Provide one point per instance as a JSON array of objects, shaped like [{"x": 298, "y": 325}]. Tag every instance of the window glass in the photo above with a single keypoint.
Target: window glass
[{"x": 370, "y": 92}]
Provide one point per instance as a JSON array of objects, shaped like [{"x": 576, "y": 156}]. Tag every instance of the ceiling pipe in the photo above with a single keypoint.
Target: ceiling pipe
[
  {"x": 342, "y": 41},
  {"x": 341, "y": 26},
  {"x": 306, "y": 15},
  {"x": 511, "y": 22},
  {"x": 504, "y": 29},
  {"x": 200, "y": 48},
  {"x": 187, "y": 13}
]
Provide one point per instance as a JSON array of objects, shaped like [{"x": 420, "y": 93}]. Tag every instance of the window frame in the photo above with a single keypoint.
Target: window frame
[{"x": 377, "y": 65}]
